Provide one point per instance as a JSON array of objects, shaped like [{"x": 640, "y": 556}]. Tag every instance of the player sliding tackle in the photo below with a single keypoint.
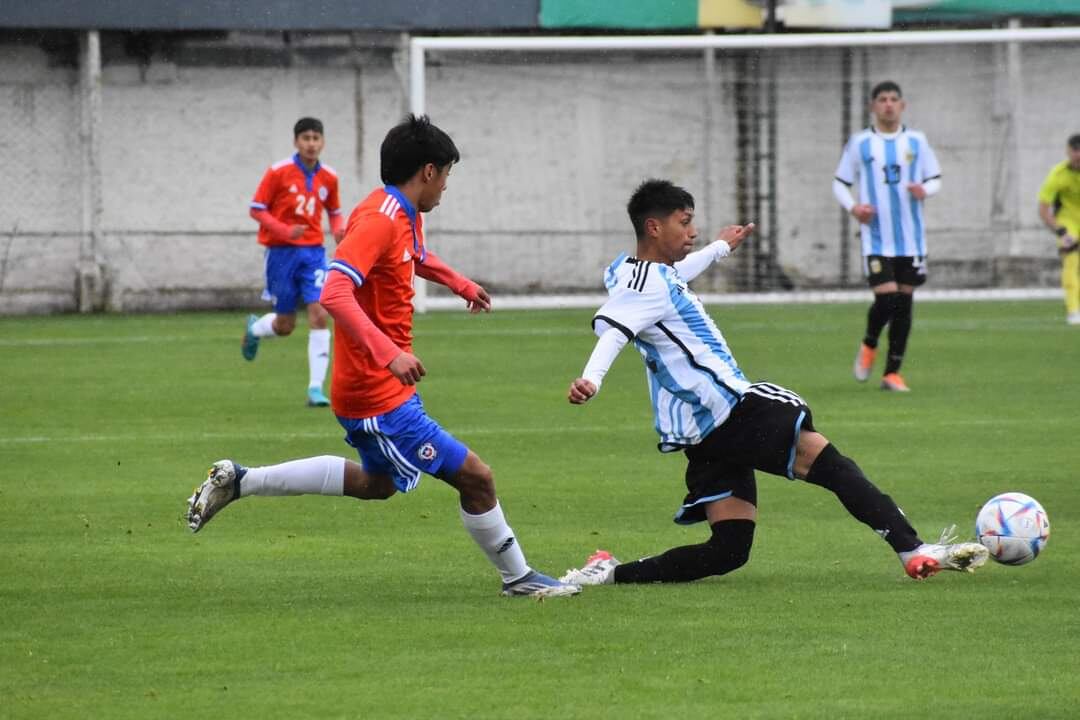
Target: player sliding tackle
[
  {"x": 704, "y": 405},
  {"x": 368, "y": 292}
]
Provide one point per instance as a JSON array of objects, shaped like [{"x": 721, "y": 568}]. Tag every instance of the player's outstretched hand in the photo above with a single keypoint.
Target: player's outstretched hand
[
  {"x": 407, "y": 368},
  {"x": 863, "y": 212},
  {"x": 477, "y": 299},
  {"x": 733, "y": 235},
  {"x": 580, "y": 391}
]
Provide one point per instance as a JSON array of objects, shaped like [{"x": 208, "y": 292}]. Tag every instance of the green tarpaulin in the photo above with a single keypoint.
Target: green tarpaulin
[{"x": 629, "y": 14}]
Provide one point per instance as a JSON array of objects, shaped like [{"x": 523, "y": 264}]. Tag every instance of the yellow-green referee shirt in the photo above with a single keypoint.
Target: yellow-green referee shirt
[{"x": 1061, "y": 189}]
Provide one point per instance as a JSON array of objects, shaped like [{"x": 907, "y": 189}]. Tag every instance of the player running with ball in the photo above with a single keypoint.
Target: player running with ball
[{"x": 727, "y": 426}]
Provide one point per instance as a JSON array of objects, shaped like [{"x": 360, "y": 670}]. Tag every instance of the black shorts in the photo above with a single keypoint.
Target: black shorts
[
  {"x": 903, "y": 270},
  {"x": 760, "y": 434}
]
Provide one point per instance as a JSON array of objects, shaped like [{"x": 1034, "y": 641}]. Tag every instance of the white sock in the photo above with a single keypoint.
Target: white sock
[
  {"x": 318, "y": 356},
  {"x": 264, "y": 326},
  {"x": 323, "y": 475},
  {"x": 497, "y": 540}
]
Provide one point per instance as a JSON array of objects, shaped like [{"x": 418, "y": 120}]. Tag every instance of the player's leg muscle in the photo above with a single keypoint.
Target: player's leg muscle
[
  {"x": 475, "y": 483},
  {"x": 284, "y": 324},
  {"x": 363, "y": 485}
]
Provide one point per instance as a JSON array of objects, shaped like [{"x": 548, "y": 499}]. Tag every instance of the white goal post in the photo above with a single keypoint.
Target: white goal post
[{"x": 420, "y": 46}]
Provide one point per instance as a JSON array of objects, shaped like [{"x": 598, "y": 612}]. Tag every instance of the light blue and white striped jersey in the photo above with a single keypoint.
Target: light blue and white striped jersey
[
  {"x": 884, "y": 165},
  {"x": 694, "y": 381}
]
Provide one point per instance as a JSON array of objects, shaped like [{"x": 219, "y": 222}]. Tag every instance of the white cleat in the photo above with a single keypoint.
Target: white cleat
[
  {"x": 599, "y": 569},
  {"x": 928, "y": 559},
  {"x": 540, "y": 586},
  {"x": 221, "y": 487}
]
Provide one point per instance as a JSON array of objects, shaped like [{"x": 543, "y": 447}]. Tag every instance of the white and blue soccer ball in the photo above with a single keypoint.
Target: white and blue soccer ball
[{"x": 1013, "y": 527}]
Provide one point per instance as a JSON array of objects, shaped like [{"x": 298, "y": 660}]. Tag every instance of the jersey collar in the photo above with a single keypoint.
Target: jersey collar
[
  {"x": 393, "y": 191},
  {"x": 309, "y": 175},
  {"x": 403, "y": 201}
]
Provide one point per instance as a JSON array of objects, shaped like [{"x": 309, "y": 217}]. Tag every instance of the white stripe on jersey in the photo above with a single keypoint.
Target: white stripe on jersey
[
  {"x": 282, "y": 163},
  {"x": 883, "y": 166},
  {"x": 694, "y": 382},
  {"x": 390, "y": 206}
]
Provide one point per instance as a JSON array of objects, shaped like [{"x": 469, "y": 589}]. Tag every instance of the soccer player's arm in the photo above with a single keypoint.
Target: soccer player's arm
[
  {"x": 844, "y": 178},
  {"x": 358, "y": 252},
  {"x": 1048, "y": 203},
  {"x": 333, "y": 210},
  {"x": 931, "y": 173},
  {"x": 617, "y": 323},
  {"x": 260, "y": 210},
  {"x": 432, "y": 267},
  {"x": 698, "y": 261}
]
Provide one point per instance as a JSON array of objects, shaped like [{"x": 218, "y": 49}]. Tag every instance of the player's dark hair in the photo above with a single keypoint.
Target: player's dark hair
[
  {"x": 885, "y": 86},
  {"x": 656, "y": 199},
  {"x": 1074, "y": 141},
  {"x": 411, "y": 145},
  {"x": 307, "y": 123}
]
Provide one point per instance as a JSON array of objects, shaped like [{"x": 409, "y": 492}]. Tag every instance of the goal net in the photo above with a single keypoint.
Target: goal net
[{"x": 556, "y": 132}]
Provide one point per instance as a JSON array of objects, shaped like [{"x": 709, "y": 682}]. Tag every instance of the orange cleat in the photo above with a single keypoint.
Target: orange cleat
[
  {"x": 864, "y": 361},
  {"x": 894, "y": 383},
  {"x": 921, "y": 567}
]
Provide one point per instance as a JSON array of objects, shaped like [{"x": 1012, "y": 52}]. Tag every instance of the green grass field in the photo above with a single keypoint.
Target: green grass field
[{"x": 320, "y": 607}]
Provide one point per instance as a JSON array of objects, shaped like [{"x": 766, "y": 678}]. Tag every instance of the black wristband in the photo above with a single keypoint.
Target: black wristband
[{"x": 1060, "y": 231}]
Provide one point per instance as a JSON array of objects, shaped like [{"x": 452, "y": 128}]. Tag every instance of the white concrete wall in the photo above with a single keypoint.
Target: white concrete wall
[{"x": 551, "y": 148}]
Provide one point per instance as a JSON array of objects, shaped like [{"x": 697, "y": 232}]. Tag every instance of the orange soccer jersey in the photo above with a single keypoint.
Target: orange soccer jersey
[
  {"x": 383, "y": 238},
  {"x": 296, "y": 196}
]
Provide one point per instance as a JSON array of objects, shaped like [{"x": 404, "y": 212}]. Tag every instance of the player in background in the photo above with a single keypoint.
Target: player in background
[
  {"x": 896, "y": 170},
  {"x": 369, "y": 292},
  {"x": 1059, "y": 208},
  {"x": 704, "y": 406},
  {"x": 288, "y": 207}
]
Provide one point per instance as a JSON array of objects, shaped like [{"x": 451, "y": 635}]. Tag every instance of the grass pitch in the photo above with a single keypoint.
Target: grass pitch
[{"x": 319, "y": 607}]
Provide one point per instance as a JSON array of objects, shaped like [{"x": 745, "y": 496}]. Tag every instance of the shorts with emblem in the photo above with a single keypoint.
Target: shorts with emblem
[
  {"x": 903, "y": 270},
  {"x": 404, "y": 443},
  {"x": 761, "y": 433},
  {"x": 294, "y": 273}
]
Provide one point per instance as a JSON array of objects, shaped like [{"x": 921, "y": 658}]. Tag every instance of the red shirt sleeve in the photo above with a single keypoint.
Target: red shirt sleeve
[
  {"x": 367, "y": 242},
  {"x": 264, "y": 195},
  {"x": 338, "y": 299},
  {"x": 333, "y": 203}
]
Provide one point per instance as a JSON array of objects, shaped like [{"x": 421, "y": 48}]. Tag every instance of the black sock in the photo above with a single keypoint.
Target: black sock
[
  {"x": 878, "y": 317},
  {"x": 899, "y": 329},
  {"x": 726, "y": 550},
  {"x": 863, "y": 500}
]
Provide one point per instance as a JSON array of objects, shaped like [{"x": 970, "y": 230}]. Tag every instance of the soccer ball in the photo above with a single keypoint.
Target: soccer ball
[{"x": 1013, "y": 527}]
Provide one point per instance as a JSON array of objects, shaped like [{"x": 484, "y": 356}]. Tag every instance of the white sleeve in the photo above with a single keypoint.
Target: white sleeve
[
  {"x": 847, "y": 170},
  {"x": 611, "y": 342},
  {"x": 931, "y": 170},
  {"x": 698, "y": 261},
  {"x": 932, "y": 187},
  {"x": 637, "y": 305},
  {"x": 842, "y": 193}
]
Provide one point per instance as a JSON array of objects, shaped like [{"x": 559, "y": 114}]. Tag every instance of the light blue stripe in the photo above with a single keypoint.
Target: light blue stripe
[
  {"x": 699, "y": 326},
  {"x": 610, "y": 278},
  {"x": 703, "y": 417},
  {"x": 342, "y": 267},
  {"x": 894, "y": 201},
  {"x": 916, "y": 205},
  {"x": 871, "y": 195},
  {"x": 711, "y": 498},
  {"x": 794, "y": 445}
]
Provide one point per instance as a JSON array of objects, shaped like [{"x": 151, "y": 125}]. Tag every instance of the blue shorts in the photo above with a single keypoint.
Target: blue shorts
[
  {"x": 294, "y": 272},
  {"x": 404, "y": 443}
]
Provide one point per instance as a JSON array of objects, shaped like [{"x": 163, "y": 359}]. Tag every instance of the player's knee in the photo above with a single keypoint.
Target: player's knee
[
  {"x": 383, "y": 489},
  {"x": 475, "y": 482},
  {"x": 284, "y": 325},
  {"x": 729, "y": 546}
]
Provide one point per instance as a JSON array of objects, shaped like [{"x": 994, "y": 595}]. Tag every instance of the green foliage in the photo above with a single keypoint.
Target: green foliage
[{"x": 324, "y": 608}]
